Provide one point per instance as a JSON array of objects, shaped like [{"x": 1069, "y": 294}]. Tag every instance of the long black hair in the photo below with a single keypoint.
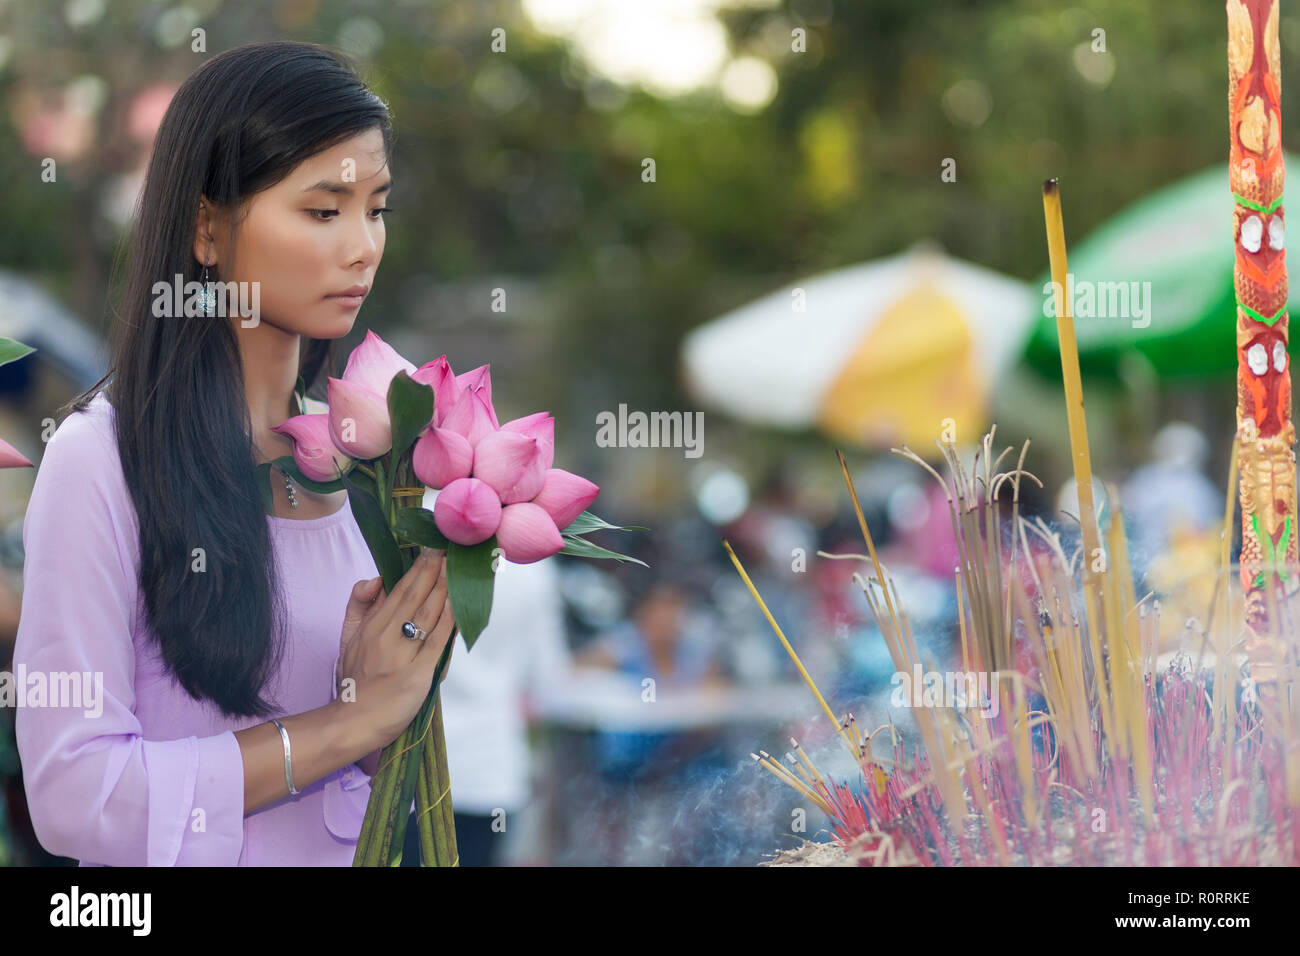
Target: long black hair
[{"x": 237, "y": 126}]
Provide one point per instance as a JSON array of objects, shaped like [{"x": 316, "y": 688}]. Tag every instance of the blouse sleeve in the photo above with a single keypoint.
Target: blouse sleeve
[{"x": 97, "y": 791}]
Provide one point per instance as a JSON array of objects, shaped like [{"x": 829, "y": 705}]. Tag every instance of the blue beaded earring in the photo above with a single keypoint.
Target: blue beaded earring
[{"x": 208, "y": 297}]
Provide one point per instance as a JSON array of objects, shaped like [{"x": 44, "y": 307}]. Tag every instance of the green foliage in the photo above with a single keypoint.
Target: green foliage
[
  {"x": 410, "y": 409},
  {"x": 470, "y": 576}
]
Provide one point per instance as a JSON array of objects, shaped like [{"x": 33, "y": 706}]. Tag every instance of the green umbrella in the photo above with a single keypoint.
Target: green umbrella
[{"x": 1156, "y": 279}]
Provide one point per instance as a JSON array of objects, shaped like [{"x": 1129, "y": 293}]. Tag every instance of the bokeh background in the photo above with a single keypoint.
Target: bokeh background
[{"x": 788, "y": 140}]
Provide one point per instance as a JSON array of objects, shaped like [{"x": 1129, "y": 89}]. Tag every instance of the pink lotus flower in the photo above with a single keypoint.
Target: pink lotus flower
[
  {"x": 441, "y": 456},
  {"x": 476, "y": 378},
  {"x": 358, "y": 420},
  {"x": 439, "y": 375},
  {"x": 467, "y": 511},
  {"x": 526, "y": 533},
  {"x": 373, "y": 364},
  {"x": 11, "y": 458},
  {"x": 472, "y": 416},
  {"x": 314, "y": 451},
  {"x": 539, "y": 425},
  {"x": 358, "y": 401},
  {"x": 511, "y": 464},
  {"x": 564, "y": 496}
]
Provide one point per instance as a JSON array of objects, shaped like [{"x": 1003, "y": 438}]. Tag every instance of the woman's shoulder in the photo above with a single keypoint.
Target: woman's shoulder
[
  {"x": 79, "y": 499},
  {"x": 82, "y": 454},
  {"x": 88, "y": 433}
]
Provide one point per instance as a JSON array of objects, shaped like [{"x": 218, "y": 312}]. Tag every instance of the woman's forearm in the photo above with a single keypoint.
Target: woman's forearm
[{"x": 321, "y": 741}]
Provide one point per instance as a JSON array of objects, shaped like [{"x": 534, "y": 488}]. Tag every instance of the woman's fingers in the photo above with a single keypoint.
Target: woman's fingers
[
  {"x": 440, "y": 632},
  {"x": 411, "y": 579},
  {"x": 426, "y": 615},
  {"x": 412, "y": 589}
]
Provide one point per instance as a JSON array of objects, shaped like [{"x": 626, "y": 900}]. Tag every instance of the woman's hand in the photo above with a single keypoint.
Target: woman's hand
[{"x": 382, "y": 675}]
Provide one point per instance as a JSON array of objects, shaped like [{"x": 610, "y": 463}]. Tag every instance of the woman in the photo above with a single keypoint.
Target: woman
[{"x": 152, "y": 569}]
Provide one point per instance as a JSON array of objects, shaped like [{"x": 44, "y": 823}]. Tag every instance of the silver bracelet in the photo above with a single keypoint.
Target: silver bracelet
[{"x": 288, "y": 763}]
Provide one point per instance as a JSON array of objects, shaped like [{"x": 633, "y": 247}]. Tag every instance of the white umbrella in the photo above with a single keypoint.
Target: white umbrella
[{"x": 882, "y": 352}]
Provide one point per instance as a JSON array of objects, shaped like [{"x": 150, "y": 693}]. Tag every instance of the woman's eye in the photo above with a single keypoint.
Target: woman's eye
[{"x": 325, "y": 215}]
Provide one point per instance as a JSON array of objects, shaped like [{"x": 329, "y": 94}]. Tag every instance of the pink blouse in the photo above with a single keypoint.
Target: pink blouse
[{"x": 142, "y": 774}]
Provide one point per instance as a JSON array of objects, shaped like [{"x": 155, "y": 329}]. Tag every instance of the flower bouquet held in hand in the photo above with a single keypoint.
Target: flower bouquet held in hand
[{"x": 393, "y": 430}]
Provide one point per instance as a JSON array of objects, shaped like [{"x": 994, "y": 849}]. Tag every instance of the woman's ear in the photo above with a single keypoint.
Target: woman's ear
[{"x": 205, "y": 233}]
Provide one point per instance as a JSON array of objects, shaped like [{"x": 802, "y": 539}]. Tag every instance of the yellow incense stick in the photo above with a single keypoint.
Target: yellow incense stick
[{"x": 1078, "y": 425}]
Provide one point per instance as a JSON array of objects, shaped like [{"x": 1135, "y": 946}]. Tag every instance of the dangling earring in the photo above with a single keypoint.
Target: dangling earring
[{"x": 208, "y": 297}]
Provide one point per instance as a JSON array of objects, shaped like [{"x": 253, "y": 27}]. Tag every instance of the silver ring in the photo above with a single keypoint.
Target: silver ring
[{"x": 413, "y": 631}]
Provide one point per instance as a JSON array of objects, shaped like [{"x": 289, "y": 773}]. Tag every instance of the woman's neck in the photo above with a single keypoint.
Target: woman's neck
[{"x": 270, "y": 362}]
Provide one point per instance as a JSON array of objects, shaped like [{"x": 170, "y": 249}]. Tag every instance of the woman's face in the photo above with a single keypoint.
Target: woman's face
[{"x": 317, "y": 233}]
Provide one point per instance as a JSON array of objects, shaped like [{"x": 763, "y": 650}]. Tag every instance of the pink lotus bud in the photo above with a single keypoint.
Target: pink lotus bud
[
  {"x": 478, "y": 380},
  {"x": 539, "y": 425},
  {"x": 564, "y": 496},
  {"x": 512, "y": 464},
  {"x": 359, "y": 422},
  {"x": 479, "y": 377},
  {"x": 373, "y": 364},
  {"x": 527, "y": 533},
  {"x": 445, "y": 391},
  {"x": 472, "y": 416},
  {"x": 313, "y": 448},
  {"x": 467, "y": 511},
  {"x": 441, "y": 456},
  {"x": 11, "y": 458}
]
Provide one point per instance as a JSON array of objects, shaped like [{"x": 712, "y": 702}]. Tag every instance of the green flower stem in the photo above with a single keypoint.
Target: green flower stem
[
  {"x": 410, "y": 759},
  {"x": 448, "y": 852},
  {"x": 396, "y": 812},
  {"x": 415, "y": 765},
  {"x": 424, "y": 796},
  {"x": 378, "y": 810}
]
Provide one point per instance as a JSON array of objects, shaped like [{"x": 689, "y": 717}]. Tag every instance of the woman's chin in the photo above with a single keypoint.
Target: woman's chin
[{"x": 335, "y": 328}]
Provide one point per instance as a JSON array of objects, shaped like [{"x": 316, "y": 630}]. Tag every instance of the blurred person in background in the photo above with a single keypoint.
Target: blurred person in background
[
  {"x": 1174, "y": 515},
  {"x": 659, "y": 641},
  {"x": 1170, "y": 495},
  {"x": 656, "y": 642},
  {"x": 664, "y": 640}
]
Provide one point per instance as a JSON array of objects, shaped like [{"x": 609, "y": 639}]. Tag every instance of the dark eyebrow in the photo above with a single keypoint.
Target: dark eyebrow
[{"x": 331, "y": 187}]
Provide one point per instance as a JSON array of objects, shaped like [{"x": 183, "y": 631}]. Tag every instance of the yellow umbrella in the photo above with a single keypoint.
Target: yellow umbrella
[{"x": 891, "y": 352}]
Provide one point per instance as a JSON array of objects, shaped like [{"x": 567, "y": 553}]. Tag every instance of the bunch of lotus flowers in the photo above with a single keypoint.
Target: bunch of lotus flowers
[{"x": 492, "y": 479}]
